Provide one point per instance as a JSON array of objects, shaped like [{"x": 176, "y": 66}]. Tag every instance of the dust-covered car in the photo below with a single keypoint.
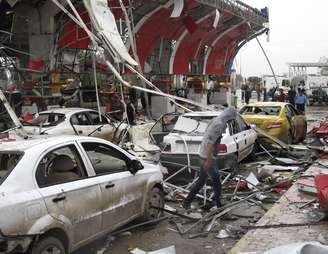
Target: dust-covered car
[
  {"x": 59, "y": 193},
  {"x": 71, "y": 121},
  {"x": 181, "y": 137},
  {"x": 279, "y": 119}
]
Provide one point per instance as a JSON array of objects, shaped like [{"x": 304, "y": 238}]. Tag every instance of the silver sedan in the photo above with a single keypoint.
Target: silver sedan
[{"x": 59, "y": 193}]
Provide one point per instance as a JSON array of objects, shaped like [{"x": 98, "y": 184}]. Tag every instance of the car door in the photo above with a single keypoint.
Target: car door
[
  {"x": 81, "y": 123},
  {"x": 102, "y": 128},
  {"x": 69, "y": 194},
  {"x": 298, "y": 120},
  {"x": 239, "y": 135},
  {"x": 122, "y": 192},
  {"x": 293, "y": 121},
  {"x": 248, "y": 134}
]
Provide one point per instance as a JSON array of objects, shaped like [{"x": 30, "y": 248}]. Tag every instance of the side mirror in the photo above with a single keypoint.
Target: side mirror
[{"x": 136, "y": 165}]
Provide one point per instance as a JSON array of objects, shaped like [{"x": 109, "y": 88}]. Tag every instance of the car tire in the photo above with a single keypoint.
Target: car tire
[
  {"x": 155, "y": 198},
  {"x": 48, "y": 245}
]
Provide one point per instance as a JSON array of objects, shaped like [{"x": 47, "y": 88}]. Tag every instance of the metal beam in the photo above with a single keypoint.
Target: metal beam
[{"x": 239, "y": 9}]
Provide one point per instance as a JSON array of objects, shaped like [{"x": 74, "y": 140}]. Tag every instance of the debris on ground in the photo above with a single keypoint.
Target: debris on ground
[
  {"x": 168, "y": 250},
  {"x": 300, "y": 248}
]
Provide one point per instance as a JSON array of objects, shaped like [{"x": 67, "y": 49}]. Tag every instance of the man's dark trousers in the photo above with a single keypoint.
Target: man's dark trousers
[{"x": 213, "y": 172}]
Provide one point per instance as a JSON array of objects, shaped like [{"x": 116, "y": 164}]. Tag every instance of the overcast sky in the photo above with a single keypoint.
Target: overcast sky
[{"x": 298, "y": 33}]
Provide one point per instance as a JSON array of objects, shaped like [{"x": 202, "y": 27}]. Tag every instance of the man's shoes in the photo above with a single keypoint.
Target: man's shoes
[{"x": 186, "y": 205}]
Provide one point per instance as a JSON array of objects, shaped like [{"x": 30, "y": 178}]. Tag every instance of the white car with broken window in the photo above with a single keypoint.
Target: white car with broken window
[
  {"x": 71, "y": 121},
  {"x": 59, "y": 193},
  {"x": 181, "y": 144}
]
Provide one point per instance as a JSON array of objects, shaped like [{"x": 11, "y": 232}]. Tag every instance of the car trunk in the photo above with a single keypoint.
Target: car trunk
[
  {"x": 35, "y": 130},
  {"x": 261, "y": 121}
]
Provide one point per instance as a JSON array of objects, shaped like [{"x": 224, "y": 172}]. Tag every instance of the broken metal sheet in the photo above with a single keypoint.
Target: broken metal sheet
[
  {"x": 323, "y": 149},
  {"x": 104, "y": 23},
  {"x": 217, "y": 18},
  {"x": 168, "y": 250},
  {"x": 307, "y": 185},
  {"x": 252, "y": 181},
  {"x": 273, "y": 139},
  {"x": 323, "y": 163},
  {"x": 285, "y": 161},
  {"x": 178, "y": 8},
  {"x": 298, "y": 147},
  {"x": 273, "y": 168},
  {"x": 321, "y": 184}
]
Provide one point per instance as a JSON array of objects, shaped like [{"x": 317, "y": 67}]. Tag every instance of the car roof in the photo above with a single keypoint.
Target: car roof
[
  {"x": 65, "y": 111},
  {"x": 267, "y": 103},
  {"x": 26, "y": 144},
  {"x": 203, "y": 113}
]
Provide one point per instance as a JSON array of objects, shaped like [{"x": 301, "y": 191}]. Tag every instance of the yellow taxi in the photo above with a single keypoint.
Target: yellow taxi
[{"x": 278, "y": 119}]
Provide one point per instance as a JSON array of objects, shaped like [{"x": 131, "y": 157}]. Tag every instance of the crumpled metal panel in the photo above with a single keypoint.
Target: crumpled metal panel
[{"x": 104, "y": 23}]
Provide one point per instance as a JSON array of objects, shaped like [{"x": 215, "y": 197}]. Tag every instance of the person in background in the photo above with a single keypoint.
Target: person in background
[
  {"x": 291, "y": 96},
  {"x": 248, "y": 94},
  {"x": 208, "y": 157},
  {"x": 301, "y": 101},
  {"x": 258, "y": 91},
  {"x": 282, "y": 95},
  {"x": 130, "y": 111},
  {"x": 264, "y": 92},
  {"x": 243, "y": 92},
  {"x": 210, "y": 89}
]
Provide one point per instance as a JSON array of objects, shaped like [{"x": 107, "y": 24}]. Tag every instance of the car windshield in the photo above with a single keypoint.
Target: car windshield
[
  {"x": 47, "y": 119},
  {"x": 8, "y": 161},
  {"x": 192, "y": 124},
  {"x": 261, "y": 110}
]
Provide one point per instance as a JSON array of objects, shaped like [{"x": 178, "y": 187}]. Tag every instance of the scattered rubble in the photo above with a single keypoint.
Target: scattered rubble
[{"x": 168, "y": 250}]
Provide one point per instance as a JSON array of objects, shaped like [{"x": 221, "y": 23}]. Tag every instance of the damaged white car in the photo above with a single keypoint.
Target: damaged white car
[
  {"x": 59, "y": 193},
  {"x": 71, "y": 121},
  {"x": 180, "y": 138}
]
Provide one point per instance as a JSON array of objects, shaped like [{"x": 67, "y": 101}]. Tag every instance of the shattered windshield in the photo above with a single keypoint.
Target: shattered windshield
[
  {"x": 261, "y": 110},
  {"x": 8, "y": 161},
  {"x": 192, "y": 124},
  {"x": 46, "y": 119}
]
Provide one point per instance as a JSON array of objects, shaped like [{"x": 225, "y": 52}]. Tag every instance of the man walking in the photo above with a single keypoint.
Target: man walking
[
  {"x": 301, "y": 101},
  {"x": 248, "y": 94},
  {"x": 291, "y": 95},
  {"x": 208, "y": 152}
]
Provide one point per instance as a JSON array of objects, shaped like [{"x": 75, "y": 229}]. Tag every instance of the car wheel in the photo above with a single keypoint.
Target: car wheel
[
  {"x": 48, "y": 245},
  {"x": 155, "y": 199}
]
